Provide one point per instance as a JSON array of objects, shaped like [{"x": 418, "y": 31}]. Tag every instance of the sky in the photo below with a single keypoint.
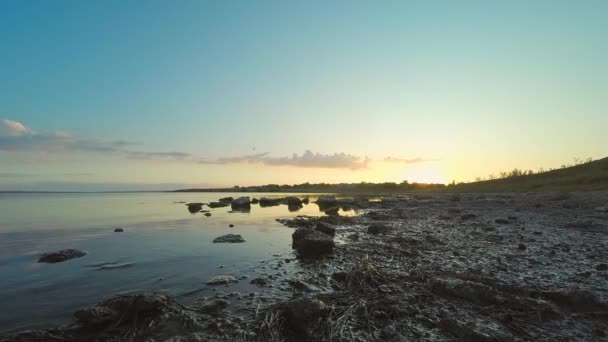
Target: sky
[{"x": 145, "y": 95}]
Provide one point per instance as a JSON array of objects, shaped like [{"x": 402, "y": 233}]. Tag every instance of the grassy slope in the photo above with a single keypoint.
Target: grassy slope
[{"x": 589, "y": 176}]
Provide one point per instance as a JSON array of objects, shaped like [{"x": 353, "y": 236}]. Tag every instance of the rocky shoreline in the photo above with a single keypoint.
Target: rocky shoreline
[{"x": 430, "y": 267}]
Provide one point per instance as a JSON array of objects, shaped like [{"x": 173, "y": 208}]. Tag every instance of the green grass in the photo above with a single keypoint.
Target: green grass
[{"x": 585, "y": 177}]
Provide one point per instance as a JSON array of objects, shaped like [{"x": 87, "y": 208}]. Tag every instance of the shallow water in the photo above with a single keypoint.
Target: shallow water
[{"x": 163, "y": 247}]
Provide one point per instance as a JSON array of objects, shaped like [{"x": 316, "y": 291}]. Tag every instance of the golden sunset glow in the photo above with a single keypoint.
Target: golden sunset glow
[{"x": 425, "y": 173}]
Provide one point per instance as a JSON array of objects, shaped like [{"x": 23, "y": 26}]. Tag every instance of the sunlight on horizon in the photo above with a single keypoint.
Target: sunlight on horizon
[{"x": 425, "y": 173}]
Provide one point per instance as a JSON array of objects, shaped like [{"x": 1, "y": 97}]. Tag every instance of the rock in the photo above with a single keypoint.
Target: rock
[
  {"x": 230, "y": 238},
  {"x": 255, "y": 201},
  {"x": 512, "y": 217},
  {"x": 218, "y": 204},
  {"x": 293, "y": 201},
  {"x": 207, "y": 214},
  {"x": 214, "y": 306},
  {"x": 602, "y": 267},
  {"x": 502, "y": 221},
  {"x": 118, "y": 230},
  {"x": 194, "y": 207},
  {"x": 96, "y": 315},
  {"x": 377, "y": 228},
  {"x": 326, "y": 201},
  {"x": 602, "y": 209},
  {"x": 221, "y": 280},
  {"x": 311, "y": 243},
  {"x": 226, "y": 199},
  {"x": 306, "y": 200},
  {"x": 60, "y": 256},
  {"x": 269, "y": 202},
  {"x": 241, "y": 202},
  {"x": 326, "y": 228},
  {"x": 333, "y": 211},
  {"x": 231, "y": 225},
  {"x": 521, "y": 247},
  {"x": 468, "y": 216},
  {"x": 304, "y": 312}
]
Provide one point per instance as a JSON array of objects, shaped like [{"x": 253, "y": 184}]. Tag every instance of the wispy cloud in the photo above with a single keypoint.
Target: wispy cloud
[
  {"x": 308, "y": 160},
  {"x": 14, "y": 128},
  {"x": 408, "y": 161}
]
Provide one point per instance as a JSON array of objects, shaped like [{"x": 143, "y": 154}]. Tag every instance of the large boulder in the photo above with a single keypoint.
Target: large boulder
[
  {"x": 230, "y": 238},
  {"x": 311, "y": 243},
  {"x": 241, "y": 202},
  {"x": 269, "y": 202},
  {"x": 61, "y": 256}
]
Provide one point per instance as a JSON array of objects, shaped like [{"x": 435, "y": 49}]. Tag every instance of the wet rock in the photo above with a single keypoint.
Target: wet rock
[
  {"x": 576, "y": 300},
  {"x": 96, "y": 315},
  {"x": 218, "y": 204},
  {"x": 377, "y": 228},
  {"x": 231, "y": 225},
  {"x": 229, "y": 238},
  {"x": 61, "y": 256},
  {"x": 303, "y": 312},
  {"x": 326, "y": 228},
  {"x": 226, "y": 199},
  {"x": 391, "y": 334},
  {"x": 468, "y": 216},
  {"x": 293, "y": 201},
  {"x": 502, "y": 221},
  {"x": 306, "y": 200},
  {"x": 269, "y": 202},
  {"x": 301, "y": 286},
  {"x": 255, "y": 201},
  {"x": 221, "y": 280},
  {"x": 512, "y": 218},
  {"x": 473, "y": 292},
  {"x": 325, "y": 202},
  {"x": 207, "y": 214},
  {"x": 194, "y": 207},
  {"x": 240, "y": 203},
  {"x": 214, "y": 306},
  {"x": 521, "y": 247},
  {"x": 601, "y": 267},
  {"x": 118, "y": 230},
  {"x": 602, "y": 209},
  {"x": 311, "y": 243},
  {"x": 333, "y": 211}
]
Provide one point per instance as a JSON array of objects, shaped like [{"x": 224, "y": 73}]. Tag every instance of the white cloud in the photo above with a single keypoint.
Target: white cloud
[{"x": 14, "y": 128}]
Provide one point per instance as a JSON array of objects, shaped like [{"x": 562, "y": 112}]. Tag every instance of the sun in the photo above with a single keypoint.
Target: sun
[{"x": 426, "y": 173}]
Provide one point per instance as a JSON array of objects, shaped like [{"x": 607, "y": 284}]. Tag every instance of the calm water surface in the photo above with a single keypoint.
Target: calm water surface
[{"x": 163, "y": 248}]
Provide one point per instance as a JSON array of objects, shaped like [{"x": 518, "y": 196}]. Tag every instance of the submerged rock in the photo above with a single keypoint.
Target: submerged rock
[
  {"x": 194, "y": 207},
  {"x": 311, "y": 243},
  {"x": 230, "y": 238},
  {"x": 60, "y": 256},
  {"x": 221, "y": 280}
]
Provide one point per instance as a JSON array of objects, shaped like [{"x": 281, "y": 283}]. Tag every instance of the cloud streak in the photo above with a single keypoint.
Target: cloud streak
[
  {"x": 408, "y": 161},
  {"x": 307, "y": 160}
]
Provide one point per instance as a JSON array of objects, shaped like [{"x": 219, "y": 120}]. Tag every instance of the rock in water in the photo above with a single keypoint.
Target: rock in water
[
  {"x": 221, "y": 279},
  {"x": 60, "y": 256},
  {"x": 311, "y": 243},
  {"x": 230, "y": 238},
  {"x": 218, "y": 204},
  {"x": 226, "y": 199},
  {"x": 118, "y": 230},
  {"x": 326, "y": 201},
  {"x": 269, "y": 202},
  {"x": 207, "y": 214},
  {"x": 194, "y": 207},
  {"x": 502, "y": 221},
  {"x": 255, "y": 201},
  {"x": 293, "y": 201},
  {"x": 240, "y": 203}
]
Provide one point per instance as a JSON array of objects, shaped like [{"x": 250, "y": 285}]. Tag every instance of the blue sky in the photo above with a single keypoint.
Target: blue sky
[{"x": 139, "y": 93}]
